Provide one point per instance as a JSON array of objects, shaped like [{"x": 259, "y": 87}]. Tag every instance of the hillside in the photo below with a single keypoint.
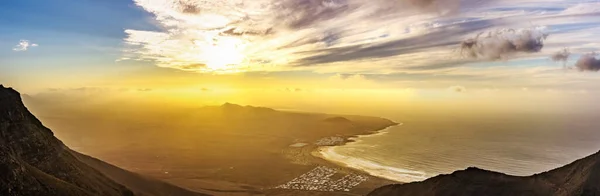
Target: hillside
[
  {"x": 34, "y": 162},
  {"x": 579, "y": 178},
  {"x": 226, "y": 149}
]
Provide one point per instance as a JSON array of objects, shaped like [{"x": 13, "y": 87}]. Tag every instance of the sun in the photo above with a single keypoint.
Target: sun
[{"x": 223, "y": 54}]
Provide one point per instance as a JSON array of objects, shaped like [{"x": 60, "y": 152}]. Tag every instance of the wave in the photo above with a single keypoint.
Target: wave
[
  {"x": 371, "y": 167},
  {"x": 368, "y": 166}
]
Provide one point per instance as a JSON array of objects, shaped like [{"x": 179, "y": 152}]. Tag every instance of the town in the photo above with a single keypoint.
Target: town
[
  {"x": 330, "y": 141},
  {"x": 319, "y": 179}
]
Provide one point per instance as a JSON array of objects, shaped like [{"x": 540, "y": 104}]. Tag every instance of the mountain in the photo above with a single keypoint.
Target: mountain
[
  {"x": 236, "y": 109},
  {"x": 581, "y": 178},
  {"x": 139, "y": 184},
  {"x": 337, "y": 119},
  {"x": 34, "y": 162}
]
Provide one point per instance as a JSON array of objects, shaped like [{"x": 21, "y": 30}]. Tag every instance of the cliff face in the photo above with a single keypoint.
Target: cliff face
[
  {"x": 34, "y": 162},
  {"x": 579, "y": 178}
]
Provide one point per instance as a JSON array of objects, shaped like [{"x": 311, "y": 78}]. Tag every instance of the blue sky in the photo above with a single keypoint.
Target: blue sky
[
  {"x": 394, "y": 43},
  {"x": 69, "y": 30},
  {"x": 75, "y": 37}
]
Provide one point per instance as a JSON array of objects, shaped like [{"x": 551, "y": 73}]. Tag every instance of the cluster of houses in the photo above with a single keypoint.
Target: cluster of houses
[{"x": 319, "y": 179}]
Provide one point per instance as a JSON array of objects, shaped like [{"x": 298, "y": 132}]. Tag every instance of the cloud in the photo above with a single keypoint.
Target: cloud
[
  {"x": 267, "y": 34},
  {"x": 436, "y": 38},
  {"x": 24, "y": 45},
  {"x": 442, "y": 6},
  {"x": 350, "y": 81},
  {"x": 348, "y": 36},
  {"x": 561, "y": 56},
  {"x": 588, "y": 62},
  {"x": 583, "y": 8},
  {"x": 503, "y": 43},
  {"x": 457, "y": 89}
]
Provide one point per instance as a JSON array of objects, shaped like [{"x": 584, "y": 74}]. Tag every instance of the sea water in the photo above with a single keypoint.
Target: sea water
[{"x": 516, "y": 145}]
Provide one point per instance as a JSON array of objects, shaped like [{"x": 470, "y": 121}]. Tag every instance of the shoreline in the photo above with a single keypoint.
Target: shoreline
[
  {"x": 352, "y": 138},
  {"x": 374, "y": 170}
]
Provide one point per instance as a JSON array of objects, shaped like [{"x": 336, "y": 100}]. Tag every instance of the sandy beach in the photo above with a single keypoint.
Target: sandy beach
[{"x": 369, "y": 167}]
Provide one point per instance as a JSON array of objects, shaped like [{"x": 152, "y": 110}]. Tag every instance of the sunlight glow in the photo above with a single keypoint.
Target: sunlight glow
[{"x": 221, "y": 53}]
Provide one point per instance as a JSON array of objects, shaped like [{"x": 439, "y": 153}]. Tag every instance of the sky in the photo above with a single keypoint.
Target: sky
[{"x": 428, "y": 49}]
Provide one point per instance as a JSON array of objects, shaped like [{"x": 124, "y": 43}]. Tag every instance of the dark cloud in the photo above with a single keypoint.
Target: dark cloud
[
  {"x": 297, "y": 14},
  {"x": 189, "y": 9},
  {"x": 503, "y": 43},
  {"x": 437, "y": 5},
  {"x": 233, "y": 32},
  {"x": 302, "y": 13},
  {"x": 422, "y": 3},
  {"x": 239, "y": 32},
  {"x": 439, "y": 37},
  {"x": 561, "y": 56},
  {"x": 440, "y": 7},
  {"x": 588, "y": 62}
]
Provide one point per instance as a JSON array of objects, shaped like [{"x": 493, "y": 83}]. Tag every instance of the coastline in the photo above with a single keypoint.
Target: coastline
[{"x": 397, "y": 175}]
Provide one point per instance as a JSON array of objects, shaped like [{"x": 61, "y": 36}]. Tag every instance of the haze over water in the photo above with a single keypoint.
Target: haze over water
[{"x": 517, "y": 144}]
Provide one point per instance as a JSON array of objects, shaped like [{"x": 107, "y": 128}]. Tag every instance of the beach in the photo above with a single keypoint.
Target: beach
[{"x": 367, "y": 166}]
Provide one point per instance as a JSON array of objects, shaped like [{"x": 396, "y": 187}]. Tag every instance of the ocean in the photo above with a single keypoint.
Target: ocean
[{"x": 516, "y": 144}]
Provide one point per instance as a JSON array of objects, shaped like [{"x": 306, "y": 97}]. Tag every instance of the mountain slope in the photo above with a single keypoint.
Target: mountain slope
[
  {"x": 34, "y": 162},
  {"x": 139, "y": 184},
  {"x": 581, "y": 177}
]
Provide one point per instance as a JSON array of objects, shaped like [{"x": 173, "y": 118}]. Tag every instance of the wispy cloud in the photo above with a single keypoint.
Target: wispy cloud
[
  {"x": 355, "y": 36},
  {"x": 24, "y": 45}
]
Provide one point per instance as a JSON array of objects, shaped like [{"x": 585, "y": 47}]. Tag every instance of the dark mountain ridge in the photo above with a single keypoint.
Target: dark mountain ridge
[
  {"x": 579, "y": 178},
  {"x": 34, "y": 162}
]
